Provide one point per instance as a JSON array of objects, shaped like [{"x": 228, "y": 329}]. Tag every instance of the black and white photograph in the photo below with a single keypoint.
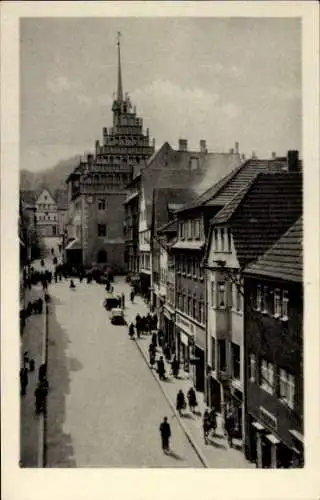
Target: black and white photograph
[{"x": 161, "y": 212}]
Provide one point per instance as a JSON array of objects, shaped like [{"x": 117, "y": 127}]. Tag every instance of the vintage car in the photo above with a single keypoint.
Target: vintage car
[
  {"x": 111, "y": 301},
  {"x": 117, "y": 316}
]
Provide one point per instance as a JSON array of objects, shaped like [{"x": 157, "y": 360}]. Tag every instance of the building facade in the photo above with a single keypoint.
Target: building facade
[
  {"x": 273, "y": 288},
  {"x": 96, "y": 214}
]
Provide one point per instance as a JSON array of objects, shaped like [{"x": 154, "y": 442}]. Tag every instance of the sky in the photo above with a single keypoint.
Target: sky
[{"x": 224, "y": 80}]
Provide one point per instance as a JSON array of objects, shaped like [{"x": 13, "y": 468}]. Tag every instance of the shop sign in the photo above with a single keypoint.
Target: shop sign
[
  {"x": 185, "y": 325},
  {"x": 268, "y": 418}
]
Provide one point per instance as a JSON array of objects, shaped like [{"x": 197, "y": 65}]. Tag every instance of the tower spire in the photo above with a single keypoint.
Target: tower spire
[{"x": 119, "y": 89}]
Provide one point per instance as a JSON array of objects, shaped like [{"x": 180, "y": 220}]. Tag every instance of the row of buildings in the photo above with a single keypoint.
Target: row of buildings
[{"x": 215, "y": 241}]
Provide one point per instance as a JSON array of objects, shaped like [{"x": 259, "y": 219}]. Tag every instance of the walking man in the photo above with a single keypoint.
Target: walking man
[{"x": 165, "y": 432}]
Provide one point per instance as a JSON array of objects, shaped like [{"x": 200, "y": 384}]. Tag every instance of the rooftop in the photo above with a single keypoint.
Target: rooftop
[{"x": 284, "y": 259}]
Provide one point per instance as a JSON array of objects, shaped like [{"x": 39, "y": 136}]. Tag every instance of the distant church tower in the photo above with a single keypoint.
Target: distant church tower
[{"x": 97, "y": 186}]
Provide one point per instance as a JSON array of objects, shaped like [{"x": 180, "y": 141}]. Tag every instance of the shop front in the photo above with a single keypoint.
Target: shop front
[
  {"x": 185, "y": 343},
  {"x": 167, "y": 320}
]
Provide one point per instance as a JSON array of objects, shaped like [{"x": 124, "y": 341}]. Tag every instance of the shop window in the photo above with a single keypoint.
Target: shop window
[
  {"x": 277, "y": 303},
  {"x": 286, "y": 387},
  {"x": 222, "y": 355},
  {"x": 266, "y": 376},
  {"x": 102, "y": 230},
  {"x": 252, "y": 367},
  {"x": 235, "y": 352}
]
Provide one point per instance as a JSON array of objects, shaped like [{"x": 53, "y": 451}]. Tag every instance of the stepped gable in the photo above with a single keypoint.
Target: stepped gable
[
  {"x": 261, "y": 212},
  {"x": 225, "y": 189},
  {"x": 284, "y": 259}
]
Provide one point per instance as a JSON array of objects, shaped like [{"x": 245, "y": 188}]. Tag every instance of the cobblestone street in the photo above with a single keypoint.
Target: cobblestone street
[{"x": 104, "y": 406}]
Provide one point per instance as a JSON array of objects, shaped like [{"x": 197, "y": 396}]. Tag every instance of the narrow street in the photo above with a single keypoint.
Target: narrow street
[{"x": 104, "y": 406}]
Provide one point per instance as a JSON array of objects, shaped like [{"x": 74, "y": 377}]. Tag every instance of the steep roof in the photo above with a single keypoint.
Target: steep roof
[
  {"x": 226, "y": 188},
  {"x": 284, "y": 259},
  {"x": 261, "y": 212}
]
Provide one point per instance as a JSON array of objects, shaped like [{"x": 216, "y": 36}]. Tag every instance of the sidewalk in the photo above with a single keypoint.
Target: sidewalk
[
  {"x": 31, "y": 341},
  {"x": 217, "y": 454}
]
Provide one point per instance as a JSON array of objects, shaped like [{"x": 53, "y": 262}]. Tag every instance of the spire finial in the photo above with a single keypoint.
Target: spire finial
[{"x": 119, "y": 90}]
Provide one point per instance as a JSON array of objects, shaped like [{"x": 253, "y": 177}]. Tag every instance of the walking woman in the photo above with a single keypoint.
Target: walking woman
[{"x": 181, "y": 402}]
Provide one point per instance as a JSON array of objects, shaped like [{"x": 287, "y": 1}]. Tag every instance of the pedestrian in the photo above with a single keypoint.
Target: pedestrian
[
  {"x": 154, "y": 339},
  {"x": 122, "y": 300},
  {"x": 131, "y": 330},
  {"x": 32, "y": 365},
  {"x": 160, "y": 338},
  {"x": 155, "y": 322},
  {"x": 152, "y": 355},
  {"x": 175, "y": 367},
  {"x": 23, "y": 381},
  {"x": 229, "y": 427},
  {"x": 72, "y": 285},
  {"x": 167, "y": 352},
  {"x": 181, "y": 402},
  {"x": 165, "y": 432},
  {"x": 132, "y": 296},
  {"x": 25, "y": 359},
  {"x": 161, "y": 369},
  {"x": 206, "y": 425},
  {"x": 213, "y": 420},
  {"x": 192, "y": 399}
]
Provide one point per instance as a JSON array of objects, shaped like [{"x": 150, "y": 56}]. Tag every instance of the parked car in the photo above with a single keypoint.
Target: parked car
[
  {"x": 117, "y": 316},
  {"x": 111, "y": 302}
]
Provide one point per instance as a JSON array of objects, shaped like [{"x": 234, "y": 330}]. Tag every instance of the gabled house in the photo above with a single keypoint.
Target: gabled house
[
  {"x": 241, "y": 232},
  {"x": 193, "y": 228},
  {"x": 273, "y": 354}
]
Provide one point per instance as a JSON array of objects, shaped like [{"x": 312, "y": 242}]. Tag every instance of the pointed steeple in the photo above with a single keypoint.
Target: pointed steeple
[{"x": 119, "y": 89}]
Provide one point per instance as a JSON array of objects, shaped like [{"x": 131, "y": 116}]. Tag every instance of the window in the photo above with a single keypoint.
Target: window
[
  {"x": 266, "y": 376},
  {"x": 194, "y": 307},
  {"x": 264, "y": 299},
  {"x": 197, "y": 229},
  {"x": 182, "y": 231},
  {"x": 228, "y": 240},
  {"x": 222, "y": 240},
  {"x": 189, "y": 306},
  {"x": 235, "y": 351},
  {"x": 201, "y": 271},
  {"x": 183, "y": 260},
  {"x": 185, "y": 304},
  {"x": 216, "y": 243},
  {"x": 286, "y": 387},
  {"x": 47, "y": 215},
  {"x": 285, "y": 300},
  {"x": 189, "y": 260},
  {"x": 102, "y": 230},
  {"x": 54, "y": 231},
  {"x": 277, "y": 303},
  {"x": 213, "y": 299},
  {"x": 252, "y": 367},
  {"x": 189, "y": 229},
  {"x": 201, "y": 312},
  {"x": 101, "y": 205},
  {"x": 222, "y": 355},
  {"x": 222, "y": 294},
  {"x": 259, "y": 298}
]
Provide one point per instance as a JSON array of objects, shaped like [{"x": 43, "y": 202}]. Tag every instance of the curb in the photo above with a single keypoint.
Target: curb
[{"x": 202, "y": 458}]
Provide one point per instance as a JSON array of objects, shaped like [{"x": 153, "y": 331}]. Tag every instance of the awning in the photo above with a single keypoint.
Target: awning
[
  {"x": 131, "y": 197},
  {"x": 74, "y": 245},
  {"x": 273, "y": 439},
  {"x": 188, "y": 245},
  {"x": 258, "y": 426}
]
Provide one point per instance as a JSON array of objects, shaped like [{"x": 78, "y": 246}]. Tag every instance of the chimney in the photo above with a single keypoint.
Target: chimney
[
  {"x": 274, "y": 155},
  {"x": 105, "y": 131},
  {"x": 293, "y": 161},
  {"x": 254, "y": 156},
  {"x": 203, "y": 146},
  {"x": 183, "y": 145},
  {"x": 97, "y": 144},
  {"x": 236, "y": 148},
  {"x": 231, "y": 151}
]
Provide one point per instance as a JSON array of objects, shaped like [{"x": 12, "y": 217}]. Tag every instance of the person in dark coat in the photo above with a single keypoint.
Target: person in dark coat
[
  {"x": 154, "y": 339},
  {"x": 192, "y": 399},
  {"x": 213, "y": 420},
  {"x": 161, "y": 369},
  {"x": 23, "y": 381},
  {"x": 154, "y": 322},
  {"x": 131, "y": 330},
  {"x": 167, "y": 352},
  {"x": 165, "y": 433},
  {"x": 160, "y": 338},
  {"x": 123, "y": 301},
  {"x": 181, "y": 402},
  {"x": 229, "y": 427},
  {"x": 175, "y": 367},
  {"x": 206, "y": 425},
  {"x": 72, "y": 285},
  {"x": 41, "y": 394},
  {"x": 152, "y": 354},
  {"x": 132, "y": 296}
]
